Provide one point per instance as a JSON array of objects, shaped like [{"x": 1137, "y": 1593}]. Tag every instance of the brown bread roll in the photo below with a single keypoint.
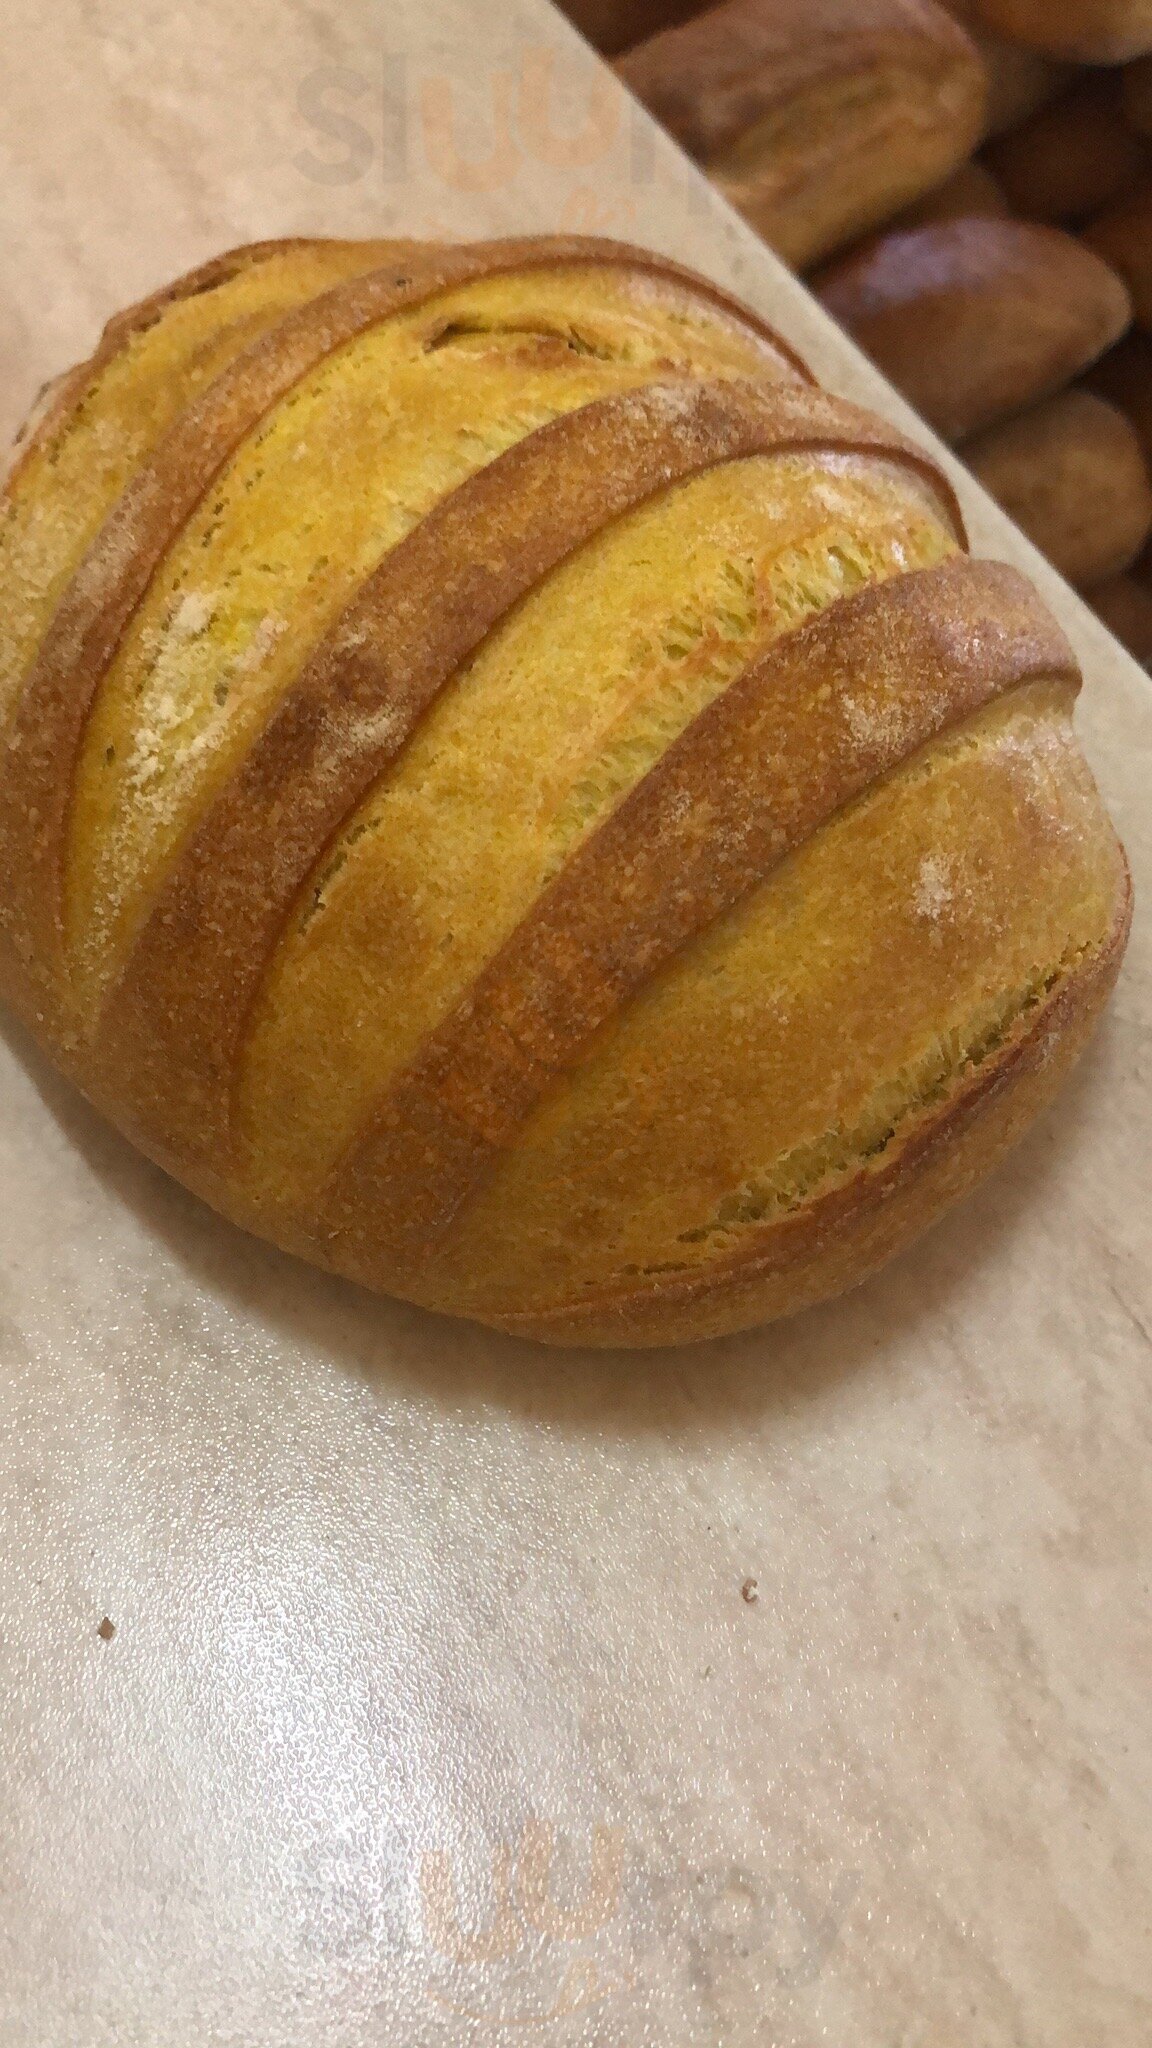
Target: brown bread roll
[
  {"x": 1125, "y": 605},
  {"x": 615, "y": 25},
  {"x": 1071, "y": 472},
  {"x": 1072, "y": 158},
  {"x": 1123, "y": 237},
  {"x": 818, "y": 120},
  {"x": 973, "y": 319},
  {"x": 1081, "y": 31},
  {"x": 512, "y": 793},
  {"x": 1124, "y": 375},
  {"x": 970, "y": 193},
  {"x": 1137, "y": 92}
]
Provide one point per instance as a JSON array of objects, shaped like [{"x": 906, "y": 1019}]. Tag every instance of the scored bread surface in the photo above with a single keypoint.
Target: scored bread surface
[{"x": 512, "y": 793}]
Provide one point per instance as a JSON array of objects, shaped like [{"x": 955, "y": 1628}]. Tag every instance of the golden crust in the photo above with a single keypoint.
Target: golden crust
[
  {"x": 59, "y": 398},
  {"x": 194, "y": 972},
  {"x": 756, "y": 755},
  {"x": 57, "y": 697},
  {"x": 756, "y": 774},
  {"x": 847, "y": 1234}
]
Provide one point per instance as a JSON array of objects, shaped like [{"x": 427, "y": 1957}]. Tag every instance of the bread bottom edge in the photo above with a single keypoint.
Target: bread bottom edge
[{"x": 829, "y": 1245}]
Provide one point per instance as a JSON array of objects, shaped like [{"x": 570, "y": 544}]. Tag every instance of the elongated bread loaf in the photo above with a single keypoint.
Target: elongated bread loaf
[
  {"x": 1071, "y": 473},
  {"x": 974, "y": 319},
  {"x": 1082, "y": 31},
  {"x": 512, "y": 793},
  {"x": 1123, "y": 236},
  {"x": 820, "y": 120},
  {"x": 1073, "y": 158}
]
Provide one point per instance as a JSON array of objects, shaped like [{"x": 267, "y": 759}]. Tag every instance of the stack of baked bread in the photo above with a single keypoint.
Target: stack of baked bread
[
  {"x": 996, "y": 158},
  {"x": 509, "y": 790}
]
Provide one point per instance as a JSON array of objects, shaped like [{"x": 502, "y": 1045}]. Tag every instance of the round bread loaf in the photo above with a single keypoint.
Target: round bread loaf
[{"x": 512, "y": 793}]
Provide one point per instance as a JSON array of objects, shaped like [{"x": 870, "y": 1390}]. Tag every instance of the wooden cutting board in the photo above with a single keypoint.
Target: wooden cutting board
[{"x": 367, "y": 1679}]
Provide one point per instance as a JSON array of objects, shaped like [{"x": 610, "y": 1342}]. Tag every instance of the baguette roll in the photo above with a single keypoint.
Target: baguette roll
[
  {"x": 1072, "y": 474},
  {"x": 819, "y": 121},
  {"x": 974, "y": 319},
  {"x": 1073, "y": 158},
  {"x": 1125, "y": 605},
  {"x": 1079, "y": 31},
  {"x": 1123, "y": 237},
  {"x": 515, "y": 795},
  {"x": 1124, "y": 375}
]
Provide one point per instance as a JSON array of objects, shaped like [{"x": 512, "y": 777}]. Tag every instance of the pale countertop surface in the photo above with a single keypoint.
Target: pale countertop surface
[{"x": 435, "y": 1715}]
